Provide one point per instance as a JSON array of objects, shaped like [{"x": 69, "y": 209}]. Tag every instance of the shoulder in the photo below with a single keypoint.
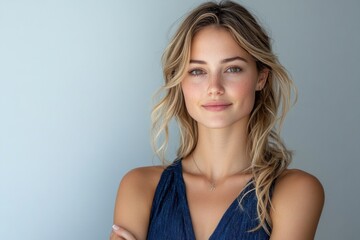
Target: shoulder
[
  {"x": 143, "y": 178},
  {"x": 140, "y": 183},
  {"x": 134, "y": 199},
  {"x": 297, "y": 203},
  {"x": 298, "y": 182}
]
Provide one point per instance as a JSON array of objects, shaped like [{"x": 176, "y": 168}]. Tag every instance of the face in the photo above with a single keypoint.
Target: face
[{"x": 221, "y": 80}]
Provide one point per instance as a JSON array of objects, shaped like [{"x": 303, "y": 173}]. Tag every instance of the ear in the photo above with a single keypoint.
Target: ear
[{"x": 262, "y": 78}]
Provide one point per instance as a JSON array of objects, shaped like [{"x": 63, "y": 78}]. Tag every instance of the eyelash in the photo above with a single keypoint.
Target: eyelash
[
  {"x": 196, "y": 72},
  {"x": 199, "y": 72},
  {"x": 237, "y": 69}
]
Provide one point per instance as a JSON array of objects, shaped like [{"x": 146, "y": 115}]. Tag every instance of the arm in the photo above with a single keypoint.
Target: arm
[
  {"x": 134, "y": 200},
  {"x": 297, "y": 204}
]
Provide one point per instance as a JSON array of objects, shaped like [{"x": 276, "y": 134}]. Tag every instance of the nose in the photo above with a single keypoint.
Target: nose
[{"x": 215, "y": 86}]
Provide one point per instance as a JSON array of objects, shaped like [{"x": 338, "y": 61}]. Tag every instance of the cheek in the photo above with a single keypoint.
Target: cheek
[
  {"x": 243, "y": 90},
  {"x": 188, "y": 93},
  {"x": 244, "y": 94},
  {"x": 191, "y": 91},
  {"x": 192, "y": 98}
]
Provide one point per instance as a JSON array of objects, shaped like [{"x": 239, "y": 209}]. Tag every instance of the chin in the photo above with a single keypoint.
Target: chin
[
  {"x": 223, "y": 123},
  {"x": 219, "y": 125}
]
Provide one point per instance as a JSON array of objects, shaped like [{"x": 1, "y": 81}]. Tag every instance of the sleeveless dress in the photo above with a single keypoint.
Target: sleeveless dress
[{"x": 170, "y": 215}]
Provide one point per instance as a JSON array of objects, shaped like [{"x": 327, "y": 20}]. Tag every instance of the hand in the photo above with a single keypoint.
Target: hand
[{"x": 119, "y": 233}]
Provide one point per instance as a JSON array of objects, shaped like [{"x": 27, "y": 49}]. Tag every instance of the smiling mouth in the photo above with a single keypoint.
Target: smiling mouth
[{"x": 216, "y": 107}]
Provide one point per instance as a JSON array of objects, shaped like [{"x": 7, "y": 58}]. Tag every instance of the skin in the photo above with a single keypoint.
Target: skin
[{"x": 219, "y": 91}]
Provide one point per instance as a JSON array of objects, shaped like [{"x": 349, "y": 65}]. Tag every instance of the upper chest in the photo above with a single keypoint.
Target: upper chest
[{"x": 208, "y": 208}]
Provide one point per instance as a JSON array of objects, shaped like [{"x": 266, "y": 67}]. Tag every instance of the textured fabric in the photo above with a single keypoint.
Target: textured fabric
[{"x": 170, "y": 214}]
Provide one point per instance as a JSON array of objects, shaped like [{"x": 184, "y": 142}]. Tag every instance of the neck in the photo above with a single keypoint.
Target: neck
[{"x": 221, "y": 152}]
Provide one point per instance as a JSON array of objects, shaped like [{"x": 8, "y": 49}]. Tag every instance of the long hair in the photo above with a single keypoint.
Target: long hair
[{"x": 269, "y": 156}]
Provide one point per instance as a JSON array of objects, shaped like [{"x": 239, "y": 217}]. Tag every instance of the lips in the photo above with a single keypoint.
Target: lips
[{"x": 216, "y": 106}]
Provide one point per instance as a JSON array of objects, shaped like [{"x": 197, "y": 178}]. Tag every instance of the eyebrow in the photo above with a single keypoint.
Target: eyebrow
[{"x": 226, "y": 60}]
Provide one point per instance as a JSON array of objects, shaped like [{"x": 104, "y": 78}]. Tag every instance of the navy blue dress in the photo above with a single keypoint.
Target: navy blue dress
[{"x": 170, "y": 214}]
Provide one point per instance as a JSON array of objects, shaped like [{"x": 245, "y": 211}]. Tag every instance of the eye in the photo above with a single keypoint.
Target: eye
[
  {"x": 233, "y": 70},
  {"x": 196, "y": 72}
]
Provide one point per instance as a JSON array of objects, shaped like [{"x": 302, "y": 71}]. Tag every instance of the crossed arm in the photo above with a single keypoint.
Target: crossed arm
[
  {"x": 133, "y": 203},
  {"x": 297, "y": 202}
]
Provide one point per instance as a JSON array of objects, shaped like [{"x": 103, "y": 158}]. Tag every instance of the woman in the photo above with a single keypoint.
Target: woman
[{"x": 229, "y": 96}]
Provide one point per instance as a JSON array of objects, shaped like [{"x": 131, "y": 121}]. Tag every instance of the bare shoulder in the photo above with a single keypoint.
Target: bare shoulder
[
  {"x": 134, "y": 199},
  {"x": 297, "y": 201},
  {"x": 298, "y": 182},
  {"x": 144, "y": 177}
]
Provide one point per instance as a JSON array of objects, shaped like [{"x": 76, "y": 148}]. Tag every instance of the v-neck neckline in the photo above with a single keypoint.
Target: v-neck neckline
[{"x": 226, "y": 214}]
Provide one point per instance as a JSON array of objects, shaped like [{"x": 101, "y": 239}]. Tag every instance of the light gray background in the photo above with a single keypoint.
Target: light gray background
[{"x": 76, "y": 82}]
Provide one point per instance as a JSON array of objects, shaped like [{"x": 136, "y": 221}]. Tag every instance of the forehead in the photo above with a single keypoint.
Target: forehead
[{"x": 215, "y": 41}]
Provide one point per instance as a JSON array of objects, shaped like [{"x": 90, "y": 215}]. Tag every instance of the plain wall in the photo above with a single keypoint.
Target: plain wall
[{"x": 76, "y": 83}]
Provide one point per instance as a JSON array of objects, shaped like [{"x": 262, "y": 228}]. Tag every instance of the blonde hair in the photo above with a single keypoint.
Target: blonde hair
[{"x": 267, "y": 151}]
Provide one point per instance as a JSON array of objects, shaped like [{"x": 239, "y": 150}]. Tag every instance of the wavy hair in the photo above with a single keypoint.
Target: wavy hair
[{"x": 269, "y": 156}]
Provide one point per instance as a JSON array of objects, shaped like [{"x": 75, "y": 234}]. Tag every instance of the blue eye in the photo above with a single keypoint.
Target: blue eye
[
  {"x": 233, "y": 70},
  {"x": 196, "y": 72}
]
